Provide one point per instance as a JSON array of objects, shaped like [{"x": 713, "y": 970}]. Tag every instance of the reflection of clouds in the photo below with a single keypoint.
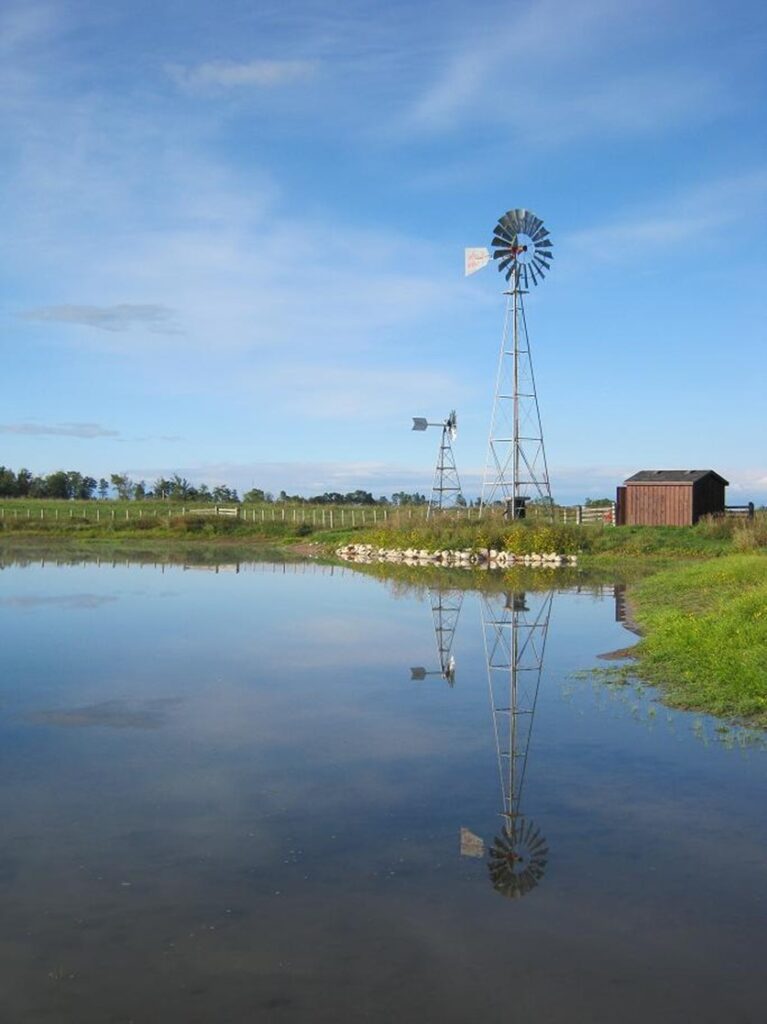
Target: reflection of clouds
[
  {"x": 69, "y": 601},
  {"x": 112, "y": 714},
  {"x": 354, "y": 640}
]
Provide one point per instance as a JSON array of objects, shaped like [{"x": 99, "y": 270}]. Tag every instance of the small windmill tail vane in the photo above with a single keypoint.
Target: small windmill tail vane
[
  {"x": 446, "y": 487},
  {"x": 516, "y": 470},
  {"x": 515, "y": 643}
]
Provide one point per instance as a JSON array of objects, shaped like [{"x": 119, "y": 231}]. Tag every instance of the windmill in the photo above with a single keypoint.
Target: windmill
[
  {"x": 446, "y": 488},
  {"x": 516, "y": 468},
  {"x": 445, "y": 608},
  {"x": 515, "y": 643}
]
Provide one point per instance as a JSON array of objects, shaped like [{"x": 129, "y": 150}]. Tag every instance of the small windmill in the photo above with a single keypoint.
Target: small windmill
[
  {"x": 446, "y": 488},
  {"x": 445, "y": 608},
  {"x": 516, "y": 468},
  {"x": 515, "y": 643}
]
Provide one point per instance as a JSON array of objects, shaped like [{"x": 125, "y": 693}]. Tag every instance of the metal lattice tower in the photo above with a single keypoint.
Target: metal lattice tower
[
  {"x": 516, "y": 469},
  {"x": 446, "y": 486},
  {"x": 515, "y": 643},
  {"x": 445, "y": 608}
]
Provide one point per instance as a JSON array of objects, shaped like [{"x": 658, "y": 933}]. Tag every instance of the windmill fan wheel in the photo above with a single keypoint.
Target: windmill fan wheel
[
  {"x": 517, "y": 858},
  {"x": 522, "y": 247}
]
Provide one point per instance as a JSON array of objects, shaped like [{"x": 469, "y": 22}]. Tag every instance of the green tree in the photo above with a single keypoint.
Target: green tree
[
  {"x": 7, "y": 483},
  {"x": 123, "y": 485}
]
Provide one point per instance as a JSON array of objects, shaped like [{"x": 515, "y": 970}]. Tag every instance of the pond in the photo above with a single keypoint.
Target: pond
[{"x": 297, "y": 793}]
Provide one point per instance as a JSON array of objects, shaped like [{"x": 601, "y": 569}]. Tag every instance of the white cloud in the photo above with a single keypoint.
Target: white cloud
[{"x": 230, "y": 74}]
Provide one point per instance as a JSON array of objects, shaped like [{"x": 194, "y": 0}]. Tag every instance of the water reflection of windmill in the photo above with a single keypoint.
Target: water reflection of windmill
[
  {"x": 515, "y": 642},
  {"x": 445, "y": 608}
]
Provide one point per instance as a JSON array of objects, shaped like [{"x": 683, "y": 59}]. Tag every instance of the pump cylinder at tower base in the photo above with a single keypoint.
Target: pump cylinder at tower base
[{"x": 516, "y": 508}]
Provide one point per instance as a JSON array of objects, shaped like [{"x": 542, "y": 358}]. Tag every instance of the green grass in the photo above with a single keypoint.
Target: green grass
[
  {"x": 596, "y": 542},
  {"x": 705, "y": 635}
]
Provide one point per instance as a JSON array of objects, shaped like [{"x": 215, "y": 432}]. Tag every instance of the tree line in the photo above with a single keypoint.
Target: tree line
[{"x": 73, "y": 485}]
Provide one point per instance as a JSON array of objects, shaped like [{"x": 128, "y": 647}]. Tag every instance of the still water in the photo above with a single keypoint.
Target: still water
[{"x": 295, "y": 795}]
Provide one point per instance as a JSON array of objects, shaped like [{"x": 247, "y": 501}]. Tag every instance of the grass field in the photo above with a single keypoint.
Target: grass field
[
  {"x": 395, "y": 528},
  {"x": 705, "y": 639}
]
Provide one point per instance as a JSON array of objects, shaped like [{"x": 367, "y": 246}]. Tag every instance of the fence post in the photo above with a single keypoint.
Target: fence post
[
  {"x": 331, "y": 519},
  {"x": 375, "y": 516},
  {"x": 579, "y": 514}
]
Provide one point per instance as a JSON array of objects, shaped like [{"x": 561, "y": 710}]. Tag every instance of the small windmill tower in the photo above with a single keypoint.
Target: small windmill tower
[
  {"x": 446, "y": 487},
  {"x": 516, "y": 468}
]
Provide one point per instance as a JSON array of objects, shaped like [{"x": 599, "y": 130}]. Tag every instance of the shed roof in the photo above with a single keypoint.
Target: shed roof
[{"x": 673, "y": 476}]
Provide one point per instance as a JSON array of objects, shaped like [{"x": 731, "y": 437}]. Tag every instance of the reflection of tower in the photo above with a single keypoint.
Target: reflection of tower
[
  {"x": 445, "y": 609},
  {"x": 446, "y": 487},
  {"x": 515, "y": 642}
]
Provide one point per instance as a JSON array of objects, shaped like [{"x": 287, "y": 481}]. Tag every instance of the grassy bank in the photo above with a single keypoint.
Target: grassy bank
[
  {"x": 708, "y": 539},
  {"x": 705, "y": 635}
]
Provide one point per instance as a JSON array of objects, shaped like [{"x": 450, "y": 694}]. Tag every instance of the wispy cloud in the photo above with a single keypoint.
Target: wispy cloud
[
  {"x": 121, "y": 317},
  {"x": 561, "y": 71},
  {"x": 697, "y": 214},
  {"x": 84, "y": 430},
  {"x": 261, "y": 74}
]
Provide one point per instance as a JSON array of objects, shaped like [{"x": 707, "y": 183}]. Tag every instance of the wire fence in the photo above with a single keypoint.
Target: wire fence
[{"x": 318, "y": 516}]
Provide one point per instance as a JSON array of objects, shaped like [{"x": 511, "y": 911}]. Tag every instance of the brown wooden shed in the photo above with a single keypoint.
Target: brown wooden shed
[{"x": 669, "y": 497}]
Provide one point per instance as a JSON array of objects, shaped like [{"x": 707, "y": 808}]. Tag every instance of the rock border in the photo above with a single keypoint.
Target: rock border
[{"x": 476, "y": 558}]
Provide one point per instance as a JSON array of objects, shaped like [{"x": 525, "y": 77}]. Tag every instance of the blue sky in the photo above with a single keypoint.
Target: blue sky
[{"x": 233, "y": 236}]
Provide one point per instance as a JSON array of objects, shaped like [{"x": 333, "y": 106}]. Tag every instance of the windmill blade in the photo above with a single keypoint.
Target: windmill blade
[
  {"x": 502, "y": 242},
  {"x": 541, "y": 267},
  {"x": 502, "y": 232},
  {"x": 545, "y": 253},
  {"x": 532, "y": 273},
  {"x": 524, "y": 273},
  {"x": 502, "y": 254},
  {"x": 510, "y": 221},
  {"x": 540, "y": 234}
]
